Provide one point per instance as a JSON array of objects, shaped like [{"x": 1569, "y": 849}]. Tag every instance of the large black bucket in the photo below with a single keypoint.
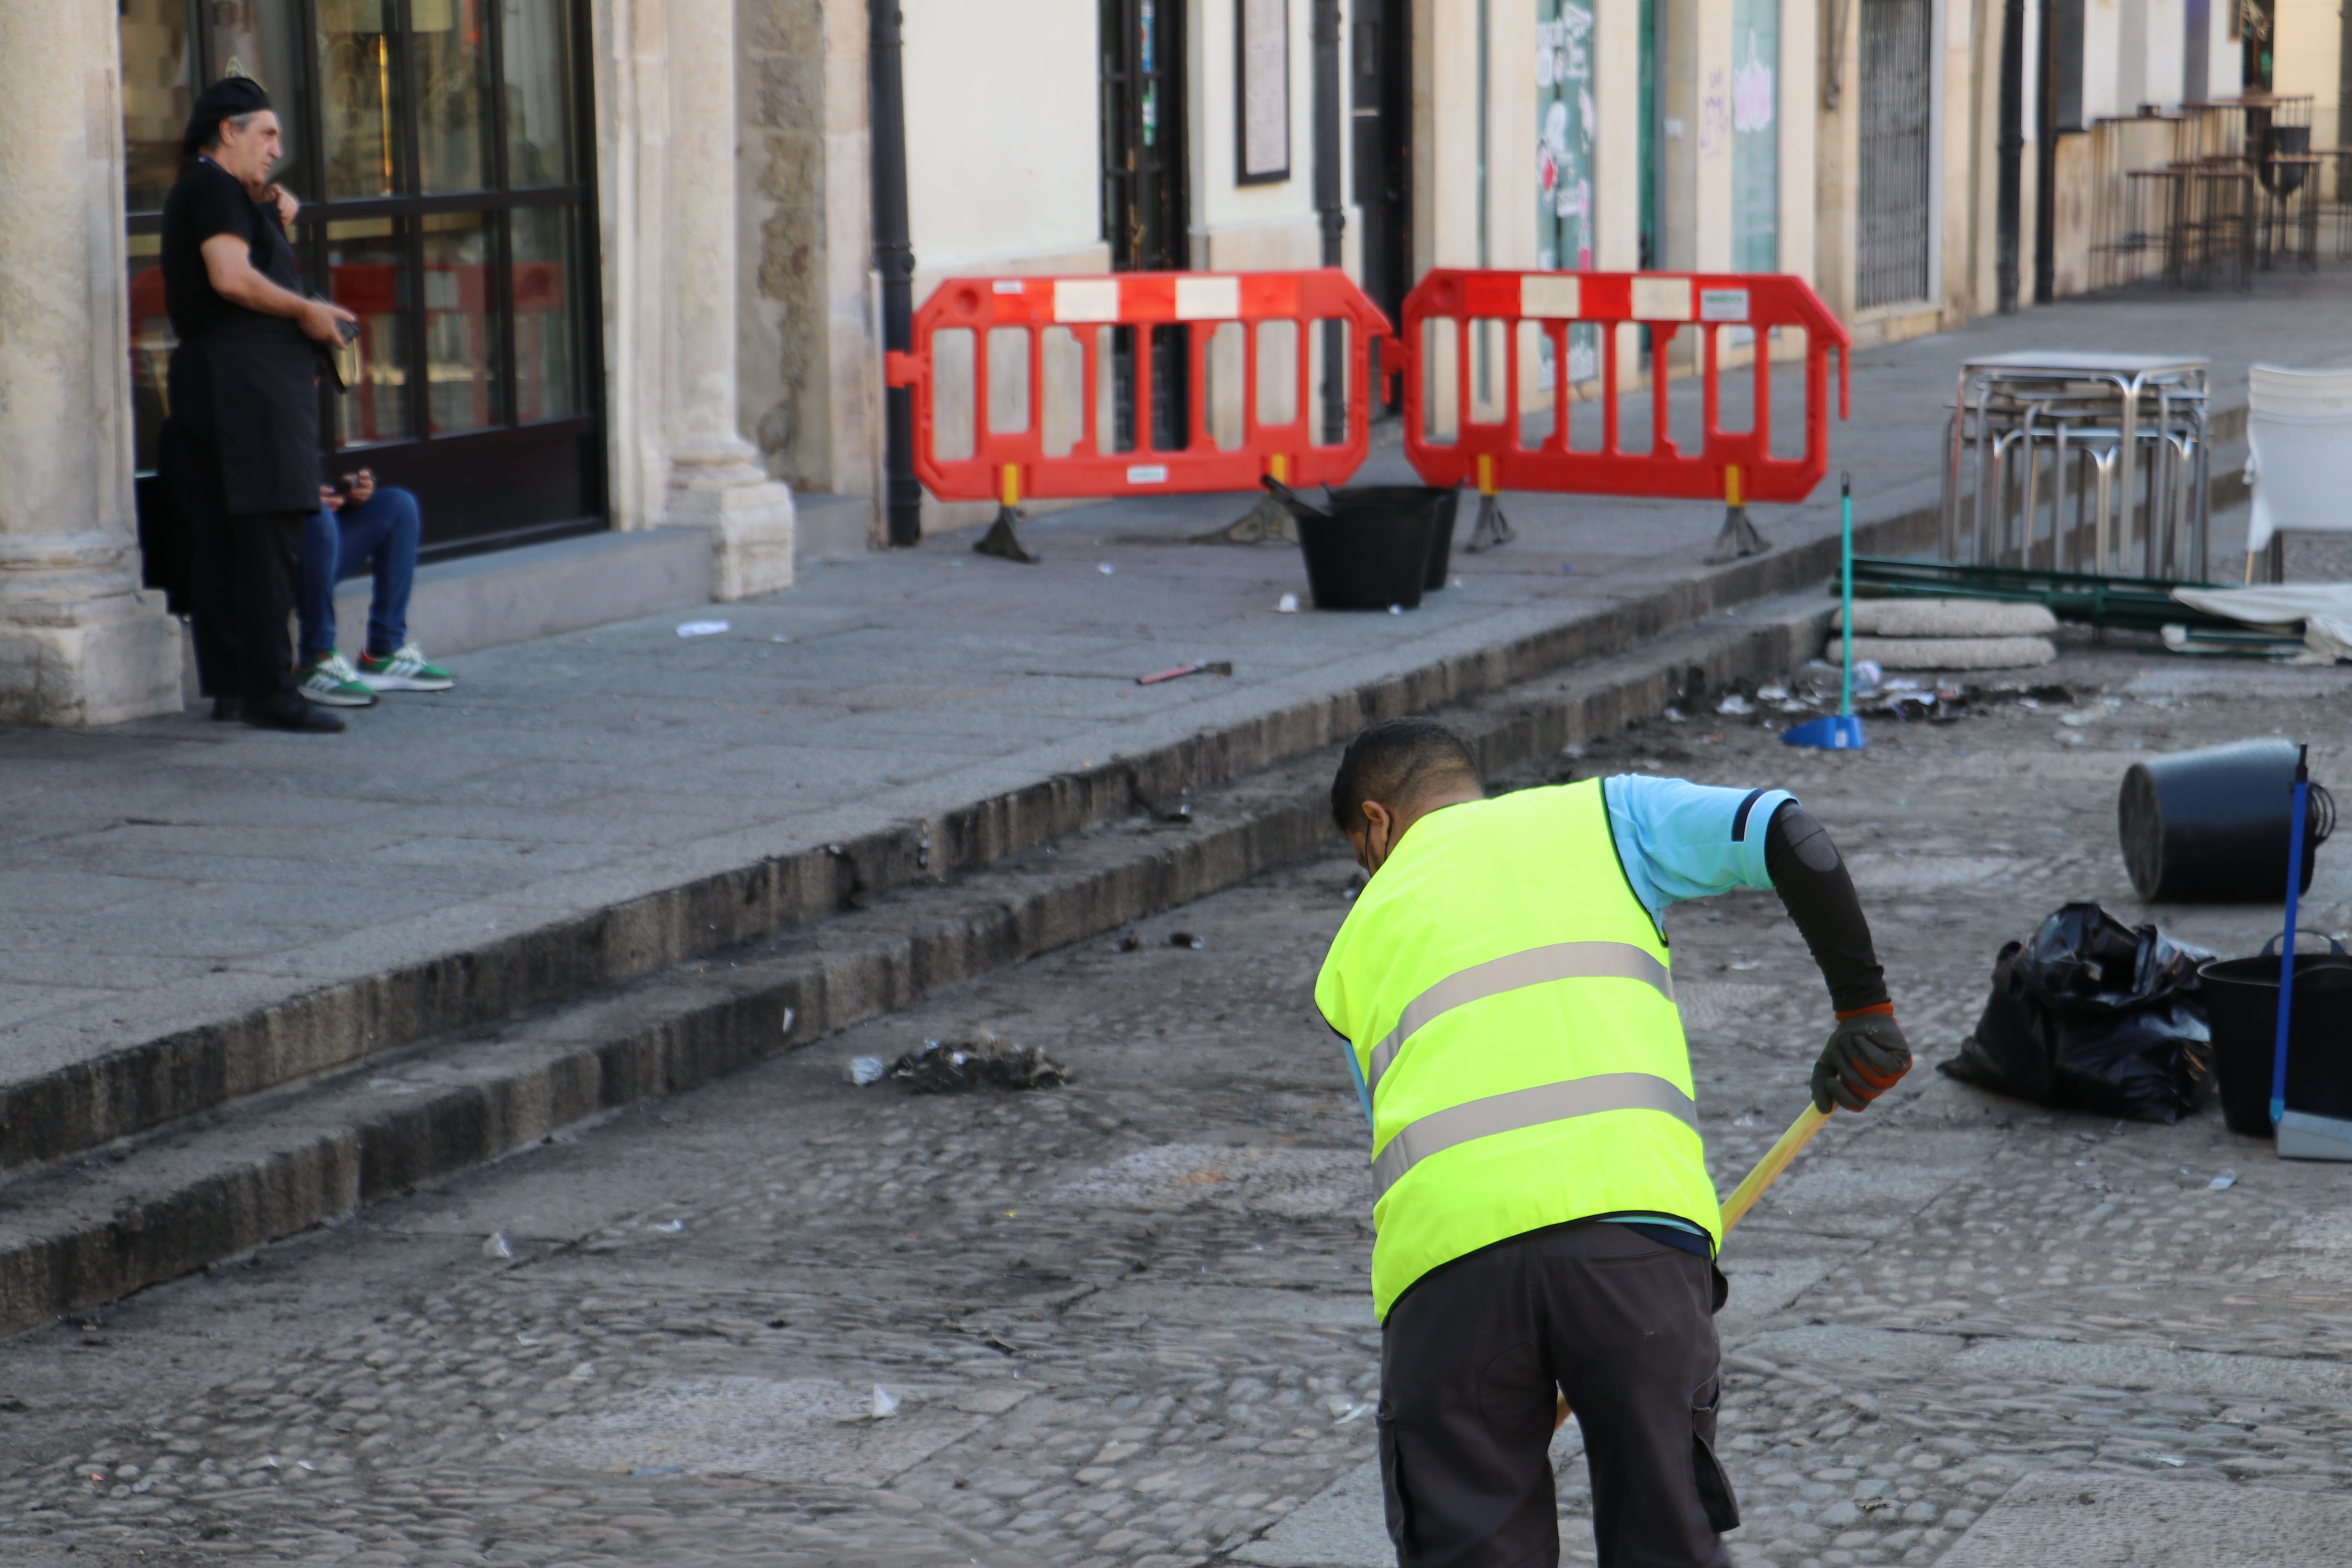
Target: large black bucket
[
  {"x": 1384, "y": 501},
  {"x": 1369, "y": 558},
  {"x": 2241, "y": 1008},
  {"x": 2210, "y": 826}
]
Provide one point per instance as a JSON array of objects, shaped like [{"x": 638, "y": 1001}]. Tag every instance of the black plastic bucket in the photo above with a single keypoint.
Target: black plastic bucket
[
  {"x": 1384, "y": 501},
  {"x": 2241, "y": 1008},
  {"x": 2210, "y": 826},
  {"x": 1367, "y": 556}
]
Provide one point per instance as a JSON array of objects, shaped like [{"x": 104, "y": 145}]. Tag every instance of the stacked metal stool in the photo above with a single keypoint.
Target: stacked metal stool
[{"x": 2087, "y": 463}]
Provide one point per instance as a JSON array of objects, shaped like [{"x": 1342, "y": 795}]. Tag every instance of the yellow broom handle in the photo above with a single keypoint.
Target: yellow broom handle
[
  {"x": 1743, "y": 1197},
  {"x": 1768, "y": 1170}
]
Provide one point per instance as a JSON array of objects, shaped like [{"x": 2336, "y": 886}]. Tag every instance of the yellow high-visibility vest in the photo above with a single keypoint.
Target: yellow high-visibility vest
[{"x": 1511, "y": 1010}]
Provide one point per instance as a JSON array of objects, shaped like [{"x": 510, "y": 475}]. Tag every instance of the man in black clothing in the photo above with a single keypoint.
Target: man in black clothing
[{"x": 244, "y": 441}]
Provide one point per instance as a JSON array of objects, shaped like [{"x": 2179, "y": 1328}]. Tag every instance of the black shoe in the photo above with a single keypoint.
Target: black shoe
[
  {"x": 227, "y": 709},
  {"x": 285, "y": 710}
]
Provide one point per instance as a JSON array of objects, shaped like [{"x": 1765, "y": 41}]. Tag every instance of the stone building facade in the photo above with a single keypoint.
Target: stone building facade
[{"x": 614, "y": 257}]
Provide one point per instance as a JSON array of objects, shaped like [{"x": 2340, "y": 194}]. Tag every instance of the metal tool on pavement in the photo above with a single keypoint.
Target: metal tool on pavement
[
  {"x": 1743, "y": 1197},
  {"x": 1197, "y": 667}
]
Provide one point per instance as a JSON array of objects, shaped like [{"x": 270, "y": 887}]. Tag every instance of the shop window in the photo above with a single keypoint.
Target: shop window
[{"x": 441, "y": 153}]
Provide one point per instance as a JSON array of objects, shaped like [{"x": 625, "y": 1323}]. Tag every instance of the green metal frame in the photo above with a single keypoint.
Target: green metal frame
[{"x": 2129, "y": 602}]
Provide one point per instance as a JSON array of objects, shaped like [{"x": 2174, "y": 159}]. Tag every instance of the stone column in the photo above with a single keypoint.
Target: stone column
[
  {"x": 715, "y": 476},
  {"x": 811, "y": 385},
  {"x": 80, "y": 642}
]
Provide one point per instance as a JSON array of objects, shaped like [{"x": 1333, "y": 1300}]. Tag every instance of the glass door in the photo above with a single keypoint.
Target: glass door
[{"x": 440, "y": 150}]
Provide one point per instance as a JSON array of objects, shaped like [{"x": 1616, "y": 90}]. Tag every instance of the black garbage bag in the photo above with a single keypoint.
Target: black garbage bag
[{"x": 2093, "y": 1015}]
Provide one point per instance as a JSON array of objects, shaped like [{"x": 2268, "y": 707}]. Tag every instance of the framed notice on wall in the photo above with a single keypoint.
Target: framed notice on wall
[{"x": 1264, "y": 90}]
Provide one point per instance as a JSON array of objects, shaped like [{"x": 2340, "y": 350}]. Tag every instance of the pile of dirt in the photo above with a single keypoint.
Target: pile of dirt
[{"x": 951, "y": 1066}]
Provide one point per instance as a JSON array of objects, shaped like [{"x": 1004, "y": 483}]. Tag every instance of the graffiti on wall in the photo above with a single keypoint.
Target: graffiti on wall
[{"x": 1564, "y": 126}]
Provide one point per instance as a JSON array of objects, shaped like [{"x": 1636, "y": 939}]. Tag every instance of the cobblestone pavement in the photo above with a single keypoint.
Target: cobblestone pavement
[{"x": 787, "y": 1321}]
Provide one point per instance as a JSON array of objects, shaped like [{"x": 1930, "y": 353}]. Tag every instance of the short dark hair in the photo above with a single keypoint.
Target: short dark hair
[{"x": 1397, "y": 762}]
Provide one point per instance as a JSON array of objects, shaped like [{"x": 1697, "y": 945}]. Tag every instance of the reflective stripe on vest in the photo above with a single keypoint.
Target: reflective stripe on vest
[
  {"x": 1537, "y": 966},
  {"x": 1526, "y": 1108}
]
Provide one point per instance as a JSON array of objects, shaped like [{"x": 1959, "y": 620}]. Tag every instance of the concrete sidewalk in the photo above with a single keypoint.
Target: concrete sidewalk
[{"x": 589, "y": 808}]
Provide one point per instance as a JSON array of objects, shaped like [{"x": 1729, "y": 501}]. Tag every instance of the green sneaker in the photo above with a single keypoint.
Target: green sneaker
[
  {"x": 331, "y": 682},
  {"x": 403, "y": 671}
]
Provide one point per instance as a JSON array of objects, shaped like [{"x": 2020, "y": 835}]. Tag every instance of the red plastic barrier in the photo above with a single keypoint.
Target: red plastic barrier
[
  {"x": 1735, "y": 466},
  {"x": 1012, "y": 465}
]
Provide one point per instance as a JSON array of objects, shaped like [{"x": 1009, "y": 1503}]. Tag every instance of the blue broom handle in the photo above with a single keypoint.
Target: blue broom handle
[{"x": 2287, "y": 950}]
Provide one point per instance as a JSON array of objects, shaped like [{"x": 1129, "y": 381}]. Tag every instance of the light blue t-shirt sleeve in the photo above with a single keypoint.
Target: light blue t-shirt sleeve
[
  {"x": 1680, "y": 840},
  {"x": 1356, "y": 1071}
]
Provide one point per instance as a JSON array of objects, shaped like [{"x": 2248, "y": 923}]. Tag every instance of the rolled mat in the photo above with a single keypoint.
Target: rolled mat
[
  {"x": 1948, "y": 619},
  {"x": 1947, "y": 653}
]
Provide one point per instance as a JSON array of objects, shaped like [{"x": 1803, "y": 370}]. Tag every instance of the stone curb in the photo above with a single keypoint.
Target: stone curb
[
  {"x": 90, "y": 1230},
  {"x": 153, "y": 1083}
]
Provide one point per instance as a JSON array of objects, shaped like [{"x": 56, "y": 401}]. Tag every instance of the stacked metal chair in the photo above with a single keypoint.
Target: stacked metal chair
[{"x": 2092, "y": 464}]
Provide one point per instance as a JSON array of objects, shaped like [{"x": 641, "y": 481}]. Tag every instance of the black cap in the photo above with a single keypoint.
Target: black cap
[{"x": 226, "y": 100}]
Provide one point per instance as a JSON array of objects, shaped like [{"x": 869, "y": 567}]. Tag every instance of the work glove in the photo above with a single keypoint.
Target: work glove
[{"x": 1866, "y": 1057}]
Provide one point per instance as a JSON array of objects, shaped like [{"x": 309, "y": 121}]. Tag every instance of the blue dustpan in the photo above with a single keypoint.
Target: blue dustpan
[
  {"x": 1840, "y": 730},
  {"x": 1830, "y": 732}
]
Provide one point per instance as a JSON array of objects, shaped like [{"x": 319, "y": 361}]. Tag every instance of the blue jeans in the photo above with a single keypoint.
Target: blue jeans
[{"x": 336, "y": 545}]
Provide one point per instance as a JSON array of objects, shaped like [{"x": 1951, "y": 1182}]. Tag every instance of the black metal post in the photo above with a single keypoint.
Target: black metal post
[
  {"x": 894, "y": 258},
  {"x": 1330, "y": 210},
  {"x": 2011, "y": 192},
  {"x": 2045, "y": 162}
]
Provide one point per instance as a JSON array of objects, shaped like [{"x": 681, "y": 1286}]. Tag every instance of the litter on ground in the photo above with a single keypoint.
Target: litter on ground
[{"x": 951, "y": 1066}]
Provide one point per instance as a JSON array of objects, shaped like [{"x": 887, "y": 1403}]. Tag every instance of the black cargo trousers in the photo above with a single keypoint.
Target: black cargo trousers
[{"x": 1470, "y": 1357}]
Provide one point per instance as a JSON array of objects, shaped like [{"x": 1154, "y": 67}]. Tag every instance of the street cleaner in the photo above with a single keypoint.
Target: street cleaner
[{"x": 1545, "y": 1226}]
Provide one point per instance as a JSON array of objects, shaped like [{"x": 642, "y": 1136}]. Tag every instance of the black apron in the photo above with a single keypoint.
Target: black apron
[{"x": 248, "y": 389}]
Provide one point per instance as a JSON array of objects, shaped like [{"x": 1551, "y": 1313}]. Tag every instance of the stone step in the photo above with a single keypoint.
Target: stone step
[
  {"x": 110, "y": 1220},
  {"x": 54, "y": 1110}
]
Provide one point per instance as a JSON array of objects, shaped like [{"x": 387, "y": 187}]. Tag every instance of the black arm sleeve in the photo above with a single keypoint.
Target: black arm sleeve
[{"x": 1811, "y": 881}]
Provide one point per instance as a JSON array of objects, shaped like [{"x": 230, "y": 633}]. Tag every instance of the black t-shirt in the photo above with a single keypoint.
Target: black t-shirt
[{"x": 205, "y": 201}]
